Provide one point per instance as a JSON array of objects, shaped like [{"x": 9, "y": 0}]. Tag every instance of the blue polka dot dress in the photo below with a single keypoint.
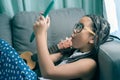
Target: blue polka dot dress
[{"x": 12, "y": 67}]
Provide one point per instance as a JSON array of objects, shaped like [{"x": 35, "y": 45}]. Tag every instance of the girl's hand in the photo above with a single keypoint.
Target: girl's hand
[
  {"x": 42, "y": 24},
  {"x": 63, "y": 44}
]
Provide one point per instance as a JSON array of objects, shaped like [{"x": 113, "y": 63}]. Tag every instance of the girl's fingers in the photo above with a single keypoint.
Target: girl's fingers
[
  {"x": 48, "y": 21},
  {"x": 65, "y": 43},
  {"x": 42, "y": 17},
  {"x": 36, "y": 23}
]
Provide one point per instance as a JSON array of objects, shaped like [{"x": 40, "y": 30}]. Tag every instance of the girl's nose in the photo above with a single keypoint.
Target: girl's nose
[
  {"x": 73, "y": 35},
  {"x": 74, "y": 31}
]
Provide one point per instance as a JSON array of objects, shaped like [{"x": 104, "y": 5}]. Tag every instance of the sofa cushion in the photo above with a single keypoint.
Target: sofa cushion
[
  {"x": 5, "y": 28},
  {"x": 109, "y": 61},
  {"x": 22, "y": 29},
  {"x": 62, "y": 22}
]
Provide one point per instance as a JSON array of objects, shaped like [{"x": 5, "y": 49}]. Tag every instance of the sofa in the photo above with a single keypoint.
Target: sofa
[{"x": 18, "y": 29}]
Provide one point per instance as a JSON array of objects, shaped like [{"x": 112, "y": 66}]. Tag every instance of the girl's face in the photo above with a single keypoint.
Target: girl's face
[{"x": 83, "y": 39}]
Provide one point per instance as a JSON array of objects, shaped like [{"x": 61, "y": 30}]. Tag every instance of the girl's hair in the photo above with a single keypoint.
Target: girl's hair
[{"x": 101, "y": 27}]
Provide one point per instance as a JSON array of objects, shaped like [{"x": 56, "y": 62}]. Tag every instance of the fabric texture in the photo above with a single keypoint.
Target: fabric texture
[{"x": 12, "y": 67}]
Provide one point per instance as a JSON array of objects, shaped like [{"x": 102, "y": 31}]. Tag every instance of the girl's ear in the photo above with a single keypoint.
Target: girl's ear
[{"x": 91, "y": 41}]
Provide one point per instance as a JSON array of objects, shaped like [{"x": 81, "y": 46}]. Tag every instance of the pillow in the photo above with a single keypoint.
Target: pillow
[{"x": 22, "y": 29}]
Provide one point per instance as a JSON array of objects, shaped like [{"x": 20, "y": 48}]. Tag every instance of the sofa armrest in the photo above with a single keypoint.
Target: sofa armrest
[{"x": 109, "y": 61}]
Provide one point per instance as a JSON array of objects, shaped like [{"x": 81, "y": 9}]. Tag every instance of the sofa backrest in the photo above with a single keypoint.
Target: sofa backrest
[{"x": 62, "y": 22}]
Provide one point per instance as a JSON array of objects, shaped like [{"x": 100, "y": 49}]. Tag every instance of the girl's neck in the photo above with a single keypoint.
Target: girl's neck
[{"x": 86, "y": 49}]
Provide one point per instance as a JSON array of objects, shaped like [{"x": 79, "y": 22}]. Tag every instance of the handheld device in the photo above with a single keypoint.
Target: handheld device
[{"x": 44, "y": 14}]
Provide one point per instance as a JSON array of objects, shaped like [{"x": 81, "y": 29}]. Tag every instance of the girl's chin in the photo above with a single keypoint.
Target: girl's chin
[{"x": 74, "y": 46}]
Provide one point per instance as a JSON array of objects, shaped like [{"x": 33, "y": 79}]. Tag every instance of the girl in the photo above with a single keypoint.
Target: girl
[{"x": 81, "y": 61}]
